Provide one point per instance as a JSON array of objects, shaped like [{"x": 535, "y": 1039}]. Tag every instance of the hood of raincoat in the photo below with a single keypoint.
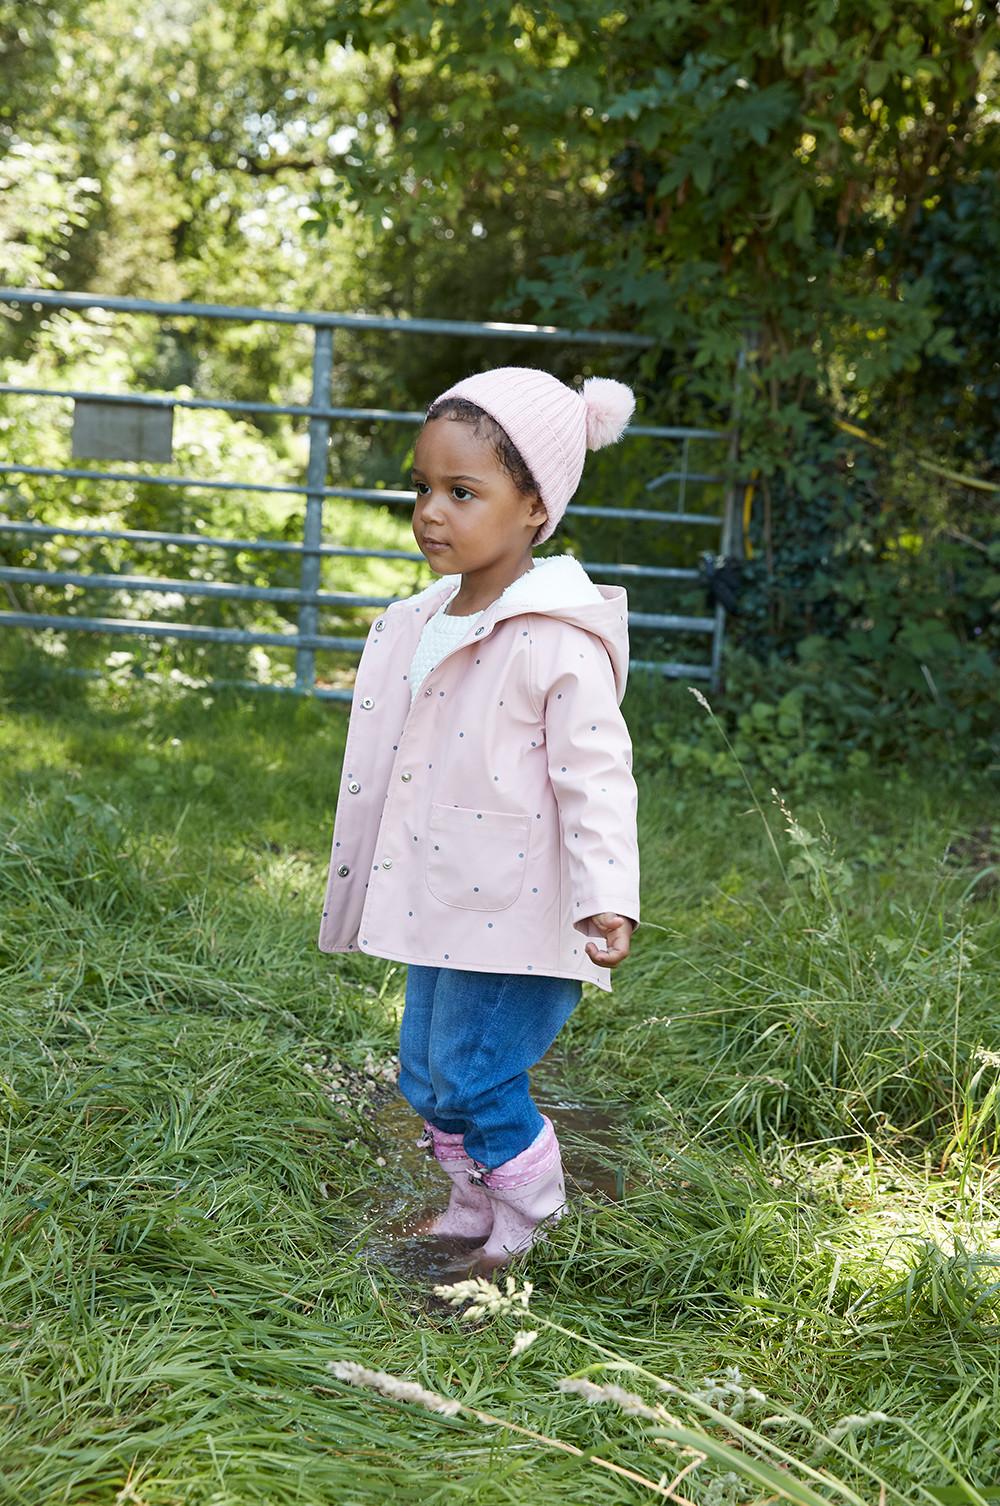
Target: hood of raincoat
[{"x": 557, "y": 586}]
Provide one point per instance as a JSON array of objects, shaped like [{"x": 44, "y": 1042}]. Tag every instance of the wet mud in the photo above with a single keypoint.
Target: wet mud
[{"x": 414, "y": 1188}]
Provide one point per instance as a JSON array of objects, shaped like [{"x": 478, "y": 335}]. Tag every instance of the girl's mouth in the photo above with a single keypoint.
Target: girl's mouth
[{"x": 433, "y": 546}]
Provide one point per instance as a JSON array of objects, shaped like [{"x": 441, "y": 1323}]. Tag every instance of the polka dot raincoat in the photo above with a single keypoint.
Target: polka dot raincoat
[{"x": 481, "y": 826}]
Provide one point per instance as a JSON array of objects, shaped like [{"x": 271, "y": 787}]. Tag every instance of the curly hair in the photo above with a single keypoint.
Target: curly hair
[{"x": 484, "y": 426}]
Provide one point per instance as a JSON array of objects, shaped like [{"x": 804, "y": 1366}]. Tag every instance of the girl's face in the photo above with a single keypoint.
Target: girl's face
[{"x": 467, "y": 504}]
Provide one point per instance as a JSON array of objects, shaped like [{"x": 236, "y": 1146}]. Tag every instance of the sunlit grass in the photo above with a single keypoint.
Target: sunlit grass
[{"x": 809, "y": 1152}]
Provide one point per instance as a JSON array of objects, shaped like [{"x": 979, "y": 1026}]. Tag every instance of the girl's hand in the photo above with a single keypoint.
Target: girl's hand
[{"x": 617, "y": 932}]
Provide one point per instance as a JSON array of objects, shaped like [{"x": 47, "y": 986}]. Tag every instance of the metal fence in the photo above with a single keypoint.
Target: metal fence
[{"x": 306, "y": 639}]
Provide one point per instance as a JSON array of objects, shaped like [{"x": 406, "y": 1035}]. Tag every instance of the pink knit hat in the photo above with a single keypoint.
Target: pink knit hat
[{"x": 551, "y": 425}]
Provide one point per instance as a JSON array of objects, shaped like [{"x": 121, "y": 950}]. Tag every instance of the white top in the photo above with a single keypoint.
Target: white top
[{"x": 442, "y": 631}]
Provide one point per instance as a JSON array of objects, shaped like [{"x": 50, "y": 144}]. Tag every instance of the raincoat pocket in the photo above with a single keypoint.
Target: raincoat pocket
[{"x": 476, "y": 859}]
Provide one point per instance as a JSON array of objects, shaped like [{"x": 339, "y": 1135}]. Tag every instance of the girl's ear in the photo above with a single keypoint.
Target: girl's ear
[{"x": 539, "y": 512}]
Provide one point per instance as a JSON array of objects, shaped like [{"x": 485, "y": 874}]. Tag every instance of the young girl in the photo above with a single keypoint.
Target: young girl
[{"x": 485, "y": 831}]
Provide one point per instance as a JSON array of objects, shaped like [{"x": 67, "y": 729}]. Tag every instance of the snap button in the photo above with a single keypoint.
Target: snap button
[
  {"x": 367, "y": 703},
  {"x": 406, "y": 778},
  {"x": 354, "y": 786},
  {"x": 387, "y": 863},
  {"x": 379, "y": 625},
  {"x": 343, "y": 870},
  {"x": 479, "y": 630},
  {"x": 426, "y": 692}
]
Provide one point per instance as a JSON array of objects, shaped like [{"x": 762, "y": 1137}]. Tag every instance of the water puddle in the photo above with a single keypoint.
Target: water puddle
[{"x": 589, "y": 1135}]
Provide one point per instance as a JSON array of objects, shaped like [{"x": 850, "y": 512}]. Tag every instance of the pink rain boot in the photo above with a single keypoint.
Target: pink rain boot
[
  {"x": 525, "y": 1192},
  {"x": 469, "y": 1214}
]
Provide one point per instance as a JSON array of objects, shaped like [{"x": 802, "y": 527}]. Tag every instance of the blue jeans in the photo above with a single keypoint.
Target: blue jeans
[{"x": 466, "y": 1042}]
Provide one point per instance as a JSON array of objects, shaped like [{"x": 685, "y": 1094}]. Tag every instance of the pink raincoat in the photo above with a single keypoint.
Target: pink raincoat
[{"x": 481, "y": 826}]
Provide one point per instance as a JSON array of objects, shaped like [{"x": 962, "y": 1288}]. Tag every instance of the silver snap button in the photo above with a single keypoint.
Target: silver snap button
[
  {"x": 354, "y": 786},
  {"x": 426, "y": 692},
  {"x": 406, "y": 778},
  {"x": 368, "y": 703},
  {"x": 387, "y": 863},
  {"x": 379, "y": 625},
  {"x": 343, "y": 870},
  {"x": 479, "y": 630}
]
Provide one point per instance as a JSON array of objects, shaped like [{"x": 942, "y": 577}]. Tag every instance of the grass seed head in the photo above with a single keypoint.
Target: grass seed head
[
  {"x": 626, "y": 1400},
  {"x": 393, "y": 1385},
  {"x": 485, "y": 1297}
]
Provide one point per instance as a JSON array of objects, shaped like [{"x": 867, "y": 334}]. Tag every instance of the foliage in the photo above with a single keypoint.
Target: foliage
[
  {"x": 720, "y": 155},
  {"x": 841, "y": 705},
  {"x": 940, "y": 405},
  {"x": 867, "y": 629}
]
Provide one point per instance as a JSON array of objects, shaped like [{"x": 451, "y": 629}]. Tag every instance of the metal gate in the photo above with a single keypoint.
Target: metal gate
[{"x": 150, "y": 418}]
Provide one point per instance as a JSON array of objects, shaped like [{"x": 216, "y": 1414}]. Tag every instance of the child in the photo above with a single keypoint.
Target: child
[{"x": 486, "y": 823}]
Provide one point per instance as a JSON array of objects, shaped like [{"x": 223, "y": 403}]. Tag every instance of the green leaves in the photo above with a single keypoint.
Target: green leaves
[{"x": 802, "y": 216}]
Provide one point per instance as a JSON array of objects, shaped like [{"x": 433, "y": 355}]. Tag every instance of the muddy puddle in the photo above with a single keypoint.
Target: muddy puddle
[{"x": 589, "y": 1130}]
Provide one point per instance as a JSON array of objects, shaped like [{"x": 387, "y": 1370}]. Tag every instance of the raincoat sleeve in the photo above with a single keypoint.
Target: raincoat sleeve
[{"x": 590, "y": 769}]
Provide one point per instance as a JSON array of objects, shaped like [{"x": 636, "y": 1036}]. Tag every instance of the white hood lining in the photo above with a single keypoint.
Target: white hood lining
[{"x": 559, "y": 580}]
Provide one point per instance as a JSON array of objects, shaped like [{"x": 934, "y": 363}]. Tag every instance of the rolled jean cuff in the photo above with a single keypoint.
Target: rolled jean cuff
[{"x": 540, "y": 1157}]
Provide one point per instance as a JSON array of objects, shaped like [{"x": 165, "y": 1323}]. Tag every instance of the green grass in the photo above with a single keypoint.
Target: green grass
[{"x": 809, "y": 1146}]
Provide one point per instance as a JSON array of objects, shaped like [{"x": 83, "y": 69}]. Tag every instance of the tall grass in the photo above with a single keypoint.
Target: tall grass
[{"x": 804, "y": 1041}]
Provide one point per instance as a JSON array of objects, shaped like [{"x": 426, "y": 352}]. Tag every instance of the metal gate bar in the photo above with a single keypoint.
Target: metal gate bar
[
  {"x": 285, "y": 546},
  {"x": 357, "y": 493}
]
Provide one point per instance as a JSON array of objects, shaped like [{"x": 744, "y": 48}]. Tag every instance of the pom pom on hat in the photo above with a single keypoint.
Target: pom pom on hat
[{"x": 609, "y": 405}]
